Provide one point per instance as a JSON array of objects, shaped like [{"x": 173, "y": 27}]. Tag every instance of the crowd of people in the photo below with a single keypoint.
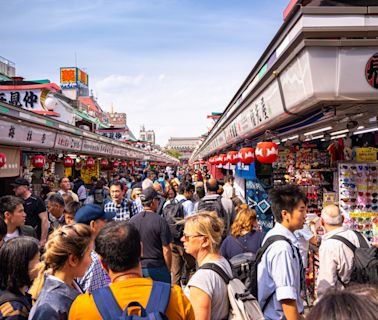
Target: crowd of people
[{"x": 143, "y": 243}]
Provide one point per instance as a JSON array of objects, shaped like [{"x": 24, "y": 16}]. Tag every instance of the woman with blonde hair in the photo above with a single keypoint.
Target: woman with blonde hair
[
  {"x": 67, "y": 256},
  {"x": 206, "y": 290},
  {"x": 244, "y": 236}
]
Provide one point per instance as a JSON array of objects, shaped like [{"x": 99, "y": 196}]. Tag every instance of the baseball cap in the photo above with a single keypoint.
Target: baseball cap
[
  {"x": 20, "y": 182},
  {"x": 92, "y": 212},
  {"x": 148, "y": 194}
]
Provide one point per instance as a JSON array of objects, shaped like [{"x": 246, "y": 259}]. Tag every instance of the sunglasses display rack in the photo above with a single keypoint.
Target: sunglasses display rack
[
  {"x": 358, "y": 198},
  {"x": 308, "y": 168}
]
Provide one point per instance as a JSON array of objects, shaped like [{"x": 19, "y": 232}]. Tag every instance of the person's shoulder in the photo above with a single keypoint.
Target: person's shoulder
[{"x": 29, "y": 231}]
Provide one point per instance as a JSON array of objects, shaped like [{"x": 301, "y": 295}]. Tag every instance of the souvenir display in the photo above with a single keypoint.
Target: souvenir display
[
  {"x": 310, "y": 169},
  {"x": 358, "y": 197}
]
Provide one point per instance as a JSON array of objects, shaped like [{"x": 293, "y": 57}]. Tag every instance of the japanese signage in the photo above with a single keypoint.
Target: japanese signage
[
  {"x": 95, "y": 147},
  {"x": 16, "y": 134},
  {"x": 12, "y": 165},
  {"x": 371, "y": 71},
  {"x": 66, "y": 142},
  {"x": 72, "y": 78},
  {"x": 120, "y": 152},
  {"x": 366, "y": 154},
  {"x": 26, "y": 99}
]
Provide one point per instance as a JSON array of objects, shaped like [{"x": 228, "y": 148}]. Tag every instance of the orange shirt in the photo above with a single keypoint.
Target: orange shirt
[{"x": 126, "y": 291}]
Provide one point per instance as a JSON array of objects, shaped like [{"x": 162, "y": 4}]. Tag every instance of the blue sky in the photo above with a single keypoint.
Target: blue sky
[{"x": 166, "y": 63}]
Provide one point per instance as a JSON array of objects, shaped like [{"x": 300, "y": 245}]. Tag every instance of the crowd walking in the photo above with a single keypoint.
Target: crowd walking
[{"x": 161, "y": 245}]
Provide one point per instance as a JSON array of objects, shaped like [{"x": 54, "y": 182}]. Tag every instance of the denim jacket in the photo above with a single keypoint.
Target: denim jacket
[{"x": 54, "y": 301}]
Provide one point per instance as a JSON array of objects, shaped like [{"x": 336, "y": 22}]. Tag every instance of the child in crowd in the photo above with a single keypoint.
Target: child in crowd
[{"x": 70, "y": 210}]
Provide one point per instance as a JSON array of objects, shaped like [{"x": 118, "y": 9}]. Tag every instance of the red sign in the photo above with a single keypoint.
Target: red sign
[
  {"x": 3, "y": 160},
  {"x": 371, "y": 71}
]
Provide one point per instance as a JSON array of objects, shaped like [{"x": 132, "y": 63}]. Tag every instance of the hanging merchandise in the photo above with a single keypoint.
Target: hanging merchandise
[
  {"x": 3, "y": 160},
  {"x": 68, "y": 162},
  {"x": 38, "y": 161},
  {"x": 104, "y": 163},
  {"x": 90, "y": 163},
  {"x": 247, "y": 155},
  {"x": 233, "y": 157},
  {"x": 358, "y": 197},
  {"x": 267, "y": 152}
]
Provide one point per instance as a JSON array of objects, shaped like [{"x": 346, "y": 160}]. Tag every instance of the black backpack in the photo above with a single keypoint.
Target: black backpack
[
  {"x": 242, "y": 263},
  {"x": 215, "y": 205},
  {"x": 98, "y": 196},
  {"x": 173, "y": 213},
  {"x": 365, "y": 262},
  {"x": 253, "y": 287}
]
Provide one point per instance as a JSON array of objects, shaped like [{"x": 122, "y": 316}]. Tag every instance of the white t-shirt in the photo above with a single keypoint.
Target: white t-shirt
[
  {"x": 211, "y": 283},
  {"x": 12, "y": 235}
]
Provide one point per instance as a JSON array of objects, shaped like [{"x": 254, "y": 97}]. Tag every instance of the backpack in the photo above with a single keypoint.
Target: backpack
[
  {"x": 217, "y": 206},
  {"x": 8, "y": 297},
  {"x": 253, "y": 287},
  {"x": 243, "y": 305},
  {"x": 365, "y": 261},
  {"x": 157, "y": 304},
  {"x": 173, "y": 213},
  {"x": 241, "y": 264}
]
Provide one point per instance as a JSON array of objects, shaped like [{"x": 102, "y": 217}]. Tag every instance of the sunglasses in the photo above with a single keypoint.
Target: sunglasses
[
  {"x": 348, "y": 185},
  {"x": 367, "y": 194},
  {"x": 188, "y": 236},
  {"x": 360, "y": 168},
  {"x": 373, "y": 168}
]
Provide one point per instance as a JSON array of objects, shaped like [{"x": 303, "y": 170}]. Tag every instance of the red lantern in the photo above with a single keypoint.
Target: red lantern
[
  {"x": 68, "y": 162},
  {"x": 222, "y": 158},
  {"x": 38, "y": 162},
  {"x": 210, "y": 160},
  {"x": 90, "y": 163},
  {"x": 124, "y": 164},
  {"x": 116, "y": 164},
  {"x": 233, "y": 157},
  {"x": 202, "y": 161},
  {"x": 3, "y": 160},
  {"x": 247, "y": 155},
  {"x": 267, "y": 152},
  {"x": 104, "y": 163}
]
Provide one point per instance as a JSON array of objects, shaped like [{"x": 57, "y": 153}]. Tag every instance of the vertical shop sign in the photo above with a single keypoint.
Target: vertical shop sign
[
  {"x": 257, "y": 199},
  {"x": 371, "y": 71}
]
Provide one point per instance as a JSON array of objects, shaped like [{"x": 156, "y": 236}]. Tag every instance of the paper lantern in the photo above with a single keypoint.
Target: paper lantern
[
  {"x": 90, "y": 163},
  {"x": 222, "y": 158},
  {"x": 3, "y": 160},
  {"x": 68, "y": 162},
  {"x": 267, "y": 152},
  {"x": 211, "y": 160},
  {"x": 233, "y": 157},
  {"x": 104, "y": 163},
  {"x": 202, "y": 161},
  {"x": 38, "y": 161},
  {"x": 247, "y": 155},
  {"x": 116, "y": 164},
  {"x": 124, "y": 164}
]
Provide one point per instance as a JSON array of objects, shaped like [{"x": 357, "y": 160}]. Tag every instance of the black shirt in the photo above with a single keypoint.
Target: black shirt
[
  {"x": 33, "y": 206},
  {"x": 154, "y": 233}
]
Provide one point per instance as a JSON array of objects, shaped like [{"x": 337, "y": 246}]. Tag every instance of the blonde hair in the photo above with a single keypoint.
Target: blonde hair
[
  {"x": 208, "y": 224},
  {"x": 133, "y": 193},
  {"x": 244, "y": 221},
  {"x": 70, "y": 239}
]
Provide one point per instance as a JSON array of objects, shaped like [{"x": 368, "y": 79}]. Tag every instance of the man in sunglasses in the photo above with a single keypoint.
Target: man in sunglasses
[
  {"x": 335, "y": 258},
  {"x": 156, "y": 237}
]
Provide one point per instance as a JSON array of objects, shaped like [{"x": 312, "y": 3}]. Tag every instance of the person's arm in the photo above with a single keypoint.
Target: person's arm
[
  {"x": 201, "y": 303},
  {"x": 167, "y": 252},
  {"x": 290, "y": 310},
  {"x": 44, "y": 228}
]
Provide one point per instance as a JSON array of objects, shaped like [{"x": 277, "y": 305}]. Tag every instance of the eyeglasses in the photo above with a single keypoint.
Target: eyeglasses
[{"x": 188, "y": 236}]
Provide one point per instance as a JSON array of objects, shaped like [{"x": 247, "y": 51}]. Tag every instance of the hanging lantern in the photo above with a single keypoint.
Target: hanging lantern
[
  {"x": 202, "y": 161},
  {"x": 90, "y": 163},
  {"x": 115, "y": 164},
  {"x": 68, "y": 162},
  {"x": 124, "y": 164},
  {"x": 38, "y": 161},
  {"x": 211, "y": 160},
  {"x": 247, "y": 155},
  {"x": 104, "y": 163},
  {"x": 222, "y": 158},
  {"x": 233, "y": 157},
  {"x": 3, "y": 160},
  {"x": 267, "y": 152}
]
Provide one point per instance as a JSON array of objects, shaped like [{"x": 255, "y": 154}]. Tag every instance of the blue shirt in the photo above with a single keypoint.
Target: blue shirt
[
  {"x": 280, "y": 272},
  {"x": 250, "y": 242},
  {"x": 187, "y": 205}
]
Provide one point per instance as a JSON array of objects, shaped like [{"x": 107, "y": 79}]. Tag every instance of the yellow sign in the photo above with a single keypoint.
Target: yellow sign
[
  {"x": 366, "y": 154},
  {"x": 363, "y": 214}
]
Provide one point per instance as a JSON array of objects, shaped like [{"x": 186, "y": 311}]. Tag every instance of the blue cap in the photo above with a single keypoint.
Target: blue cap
[{"x": 92, "y": 212}]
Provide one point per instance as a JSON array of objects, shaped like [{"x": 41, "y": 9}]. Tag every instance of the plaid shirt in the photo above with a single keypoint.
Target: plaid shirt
[
  {"x": 122, "y": 210},
  {"x": 95, "y": 277}
]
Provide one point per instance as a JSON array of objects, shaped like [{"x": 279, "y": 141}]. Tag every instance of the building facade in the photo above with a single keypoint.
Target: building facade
[{"x": 184, "y": 145}]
